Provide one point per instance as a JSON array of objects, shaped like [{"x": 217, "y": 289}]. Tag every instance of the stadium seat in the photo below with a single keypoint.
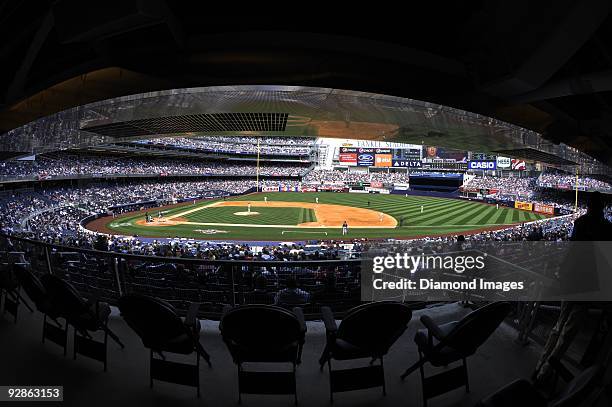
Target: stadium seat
[
  {"x": 367, "y": 331},
  {"x": 264, "y": 334},
  {"x": 455, "y": 341},
  {"x": 162, "y": 331},
  {"x": 9, "y": 289},
  {"x": 522, "y": 393},
  {"x": 84, "y": 316},
  {"x": 37, "y": 293}
]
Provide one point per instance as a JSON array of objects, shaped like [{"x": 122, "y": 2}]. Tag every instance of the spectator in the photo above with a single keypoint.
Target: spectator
[
  {"x": 593, "y": 226},
  {"x": 292, "y": 295}
]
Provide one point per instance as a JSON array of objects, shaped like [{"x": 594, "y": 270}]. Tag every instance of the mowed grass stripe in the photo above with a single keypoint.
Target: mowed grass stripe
[
  {"x": 407, "y": 208},
  {"x": 432, "y": 211},
  {"x": 501, "y": 216},
  {"x": 418, "y": 217},
  {"x": 510, "y": 216},
  {"x": 473, "y": 217},
  {"x": 454, "y": 218},
  {"x": 480, "y": 218},
  {"x": 427, "y": 216},
  {"x": 491, "y": 214}
]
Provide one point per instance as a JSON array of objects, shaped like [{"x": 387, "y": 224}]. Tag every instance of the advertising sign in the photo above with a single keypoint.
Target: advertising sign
[
  {"x": 526, "y": 206},
  {"x": 382, "y": 150},
  {"x": 376, "y": 184},
  {"x": 518, "y": 165},
  {"x": 407, "y": 163},
  {"x": 482, "y": 165},
  {"x": 304, "y": 188},
  {"x": 504, "y": 162},
  {"x": 382, "y": 160},
  {"x": 348, "y": 158},
  {"x": 546, "y": 209},
  {"x": 365, "y": 159},
  {"x": 377, "y": 190}
]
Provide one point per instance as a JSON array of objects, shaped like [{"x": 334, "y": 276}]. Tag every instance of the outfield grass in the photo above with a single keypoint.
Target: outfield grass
[{"x": 439, "y": 216}]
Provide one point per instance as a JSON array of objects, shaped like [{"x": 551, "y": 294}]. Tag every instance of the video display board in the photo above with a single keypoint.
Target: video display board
[
  {"x": 432, "y": 152},
  {"x": 380, "y": 157}
]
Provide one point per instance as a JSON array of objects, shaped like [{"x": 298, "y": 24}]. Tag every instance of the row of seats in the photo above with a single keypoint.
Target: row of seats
[{"x": 266, "y": 333}]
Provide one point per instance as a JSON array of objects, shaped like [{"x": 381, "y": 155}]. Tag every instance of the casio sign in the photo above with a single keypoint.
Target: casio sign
[{"x": 481, "y": 165}]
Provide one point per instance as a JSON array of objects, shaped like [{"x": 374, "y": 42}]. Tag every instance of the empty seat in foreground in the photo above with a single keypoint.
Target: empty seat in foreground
[
  {"x": 367, "y": 331},
  {"x": 163, "y": 331},
  {"x": 86, "y": 316},
  {"x": 441, "y": 345},
  {"x": 264, "y": 334}
]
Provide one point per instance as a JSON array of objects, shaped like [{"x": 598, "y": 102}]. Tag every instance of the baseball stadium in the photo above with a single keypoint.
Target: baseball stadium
[
  {"x": 279, "y": 216},
  {"x": 229, "y": 212}
]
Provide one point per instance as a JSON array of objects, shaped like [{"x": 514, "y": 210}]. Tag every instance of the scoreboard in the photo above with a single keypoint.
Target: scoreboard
[{"x": 381, "y": 157}]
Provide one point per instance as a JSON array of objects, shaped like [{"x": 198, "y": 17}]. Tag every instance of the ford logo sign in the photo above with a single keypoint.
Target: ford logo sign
[{"x": 366, "y": 157}]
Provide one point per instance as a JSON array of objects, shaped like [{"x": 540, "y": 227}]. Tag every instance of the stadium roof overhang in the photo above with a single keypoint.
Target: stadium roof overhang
[{"x": 276, "y": 110}]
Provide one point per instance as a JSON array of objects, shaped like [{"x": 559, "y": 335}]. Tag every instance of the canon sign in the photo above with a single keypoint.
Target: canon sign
[
  {"x": 481, "y": 165},
  {"x": 504, "y": 162}
]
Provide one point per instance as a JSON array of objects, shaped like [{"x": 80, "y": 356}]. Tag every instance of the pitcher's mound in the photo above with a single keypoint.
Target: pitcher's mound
[{"x": 245, "y": 213}]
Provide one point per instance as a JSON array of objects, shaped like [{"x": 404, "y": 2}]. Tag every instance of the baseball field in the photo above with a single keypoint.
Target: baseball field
[{"x": 288, "y": 216}]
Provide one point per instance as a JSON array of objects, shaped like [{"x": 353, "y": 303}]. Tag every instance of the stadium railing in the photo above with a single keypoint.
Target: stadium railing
[{"x": 107, "y": 275}]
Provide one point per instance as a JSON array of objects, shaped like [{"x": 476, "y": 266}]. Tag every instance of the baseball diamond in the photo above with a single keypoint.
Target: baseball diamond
[{"x": 368, "y": 216}]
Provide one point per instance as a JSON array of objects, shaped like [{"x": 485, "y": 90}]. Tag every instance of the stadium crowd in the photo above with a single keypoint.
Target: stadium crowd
[
  {"x": 234, "y": 145},
  {"x": 568, "y": 181},
  {"x": 50, "y": 206},
  {"x": 54, "y": 215},
  {"x": 319, "y": 176},
  {"x": 524, "y": 187},
  {"x": 68, "y": 165}
]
